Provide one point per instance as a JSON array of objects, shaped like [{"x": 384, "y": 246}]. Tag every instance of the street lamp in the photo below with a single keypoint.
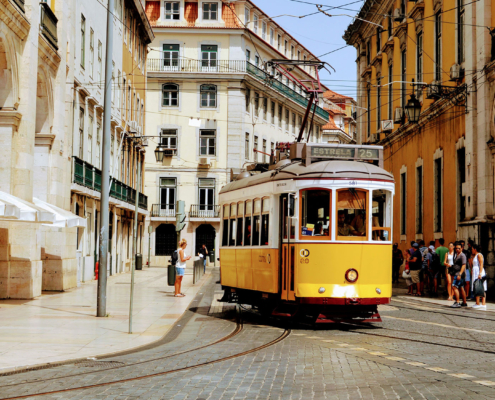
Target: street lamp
[
  {"x": 160, "y": 153},
  {"x": 413, "y": 109}
]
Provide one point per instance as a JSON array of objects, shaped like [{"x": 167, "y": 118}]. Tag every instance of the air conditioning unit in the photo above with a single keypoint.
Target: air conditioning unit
[
  {"x": 139, "y": 131},
  {"x": 374, "y": 137},
  {"x": 133, "y": 126},
  {"x": 399, "y": 115},
  {"x": 205, "y": 161},
  {"x": 387, "y": 125},
  {"x": 398, "y": 16},
  {"x": 455, "y": 72},
  {"x": 433, "y": 90},
  {"x": 144, "y": 142}
]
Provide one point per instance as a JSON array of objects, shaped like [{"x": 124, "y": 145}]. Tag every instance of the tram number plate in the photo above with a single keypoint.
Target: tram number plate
[
  {"x": 368, "y": 153},
  {"x": 352, "y": 183}
]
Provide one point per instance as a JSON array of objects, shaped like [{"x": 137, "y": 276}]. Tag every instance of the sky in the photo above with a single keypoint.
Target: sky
[{"x": 321, "y": 34}]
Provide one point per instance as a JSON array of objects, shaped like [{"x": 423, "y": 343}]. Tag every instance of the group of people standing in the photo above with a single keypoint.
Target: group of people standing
[{"x": 462, "y": 270}]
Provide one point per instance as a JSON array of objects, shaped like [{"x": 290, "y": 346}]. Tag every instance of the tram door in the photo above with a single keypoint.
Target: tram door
[{"x": 287, "y": 237}]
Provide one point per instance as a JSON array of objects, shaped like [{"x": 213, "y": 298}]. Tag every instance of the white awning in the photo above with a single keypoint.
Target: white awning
[
  {"x": 28, "y": 212},
  {"x": 9, "y": 211},
  {"x": 63, "y": 218}
]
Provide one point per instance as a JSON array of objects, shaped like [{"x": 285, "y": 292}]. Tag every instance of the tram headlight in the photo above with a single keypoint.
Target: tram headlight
[
  {"x": 351, "y": 275},
  {"x": 378, "y": 290},
  {"x": 321, "y": 290}
]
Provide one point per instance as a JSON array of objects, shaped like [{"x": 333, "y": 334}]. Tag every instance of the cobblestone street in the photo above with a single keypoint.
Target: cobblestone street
[{"x": 419, "y": 351}]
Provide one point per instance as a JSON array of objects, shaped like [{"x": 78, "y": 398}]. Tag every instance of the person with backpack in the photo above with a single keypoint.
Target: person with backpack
[{"x": 180, "y": 266}]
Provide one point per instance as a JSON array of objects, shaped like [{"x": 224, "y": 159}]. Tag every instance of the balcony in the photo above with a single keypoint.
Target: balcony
[
  {"x": 19, "y": 4},
  {"x": 163, "y": 210},
  {"x": 204, "y": 211},
  {"x": 231, "y": 67},
  {"x": 48, "y": 24},
  {"x": 88, "y": 176}
]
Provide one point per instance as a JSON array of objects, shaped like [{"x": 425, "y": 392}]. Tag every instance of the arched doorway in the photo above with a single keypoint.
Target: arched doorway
[
  {"x": 166, "y": 240},
  {"x": 205, "y": 234}
]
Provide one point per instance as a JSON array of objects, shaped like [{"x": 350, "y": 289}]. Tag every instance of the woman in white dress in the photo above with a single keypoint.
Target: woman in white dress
[
  {"x": 449, "y": 262},
  {"x": 478, "y": 273},
  {"x": 180, "y": 267}
]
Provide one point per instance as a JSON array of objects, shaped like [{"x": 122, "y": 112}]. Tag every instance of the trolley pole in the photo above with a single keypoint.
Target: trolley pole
[
  {"x": 105, "y": 173},
  {"x": 134, "y": 244}
]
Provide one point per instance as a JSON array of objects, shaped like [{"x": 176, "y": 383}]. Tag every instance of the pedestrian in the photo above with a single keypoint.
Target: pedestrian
[
  {"x": 458, "y": 282},
  {"x": 441, "y": 252},
  {"x": 202, "y": 253},
  {"x": 407, "y": 273},
  {"x": 180, "y": 267},
  {"x": 397, "y": 260},
  {"x": 415, "y": 266},
  {"x": 448, "y": 262},
  {"x": 478, "y": 272},
  {"x": 434, "y": 270},
  {"x": 468, "y": 254},
  {"x": 423, "y": 275}
]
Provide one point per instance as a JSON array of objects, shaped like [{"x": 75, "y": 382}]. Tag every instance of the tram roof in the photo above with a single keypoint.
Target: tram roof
[{"x": 335, "y": 169}]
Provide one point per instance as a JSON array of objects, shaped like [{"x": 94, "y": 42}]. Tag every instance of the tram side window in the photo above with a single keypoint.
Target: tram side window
[
  {"x": 381, "y": 215},
  {"x": 225, "y": 230},
  {"x": 240, "y": 214},
  {"x": 233, "y": 213},
  {"x": 247, "y": 223},
  {"x": 256, "y": 223},
  {"x": 315, "y": 213},
  {"x": 265, "y": 222},
  {"x": 352, "y": 222}
]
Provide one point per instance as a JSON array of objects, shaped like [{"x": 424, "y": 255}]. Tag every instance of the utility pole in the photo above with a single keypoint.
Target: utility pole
[
  {"x": 134, "y": 244},
  {"x": 150, "y": 230},
  {"x": 105, "y": 173}
]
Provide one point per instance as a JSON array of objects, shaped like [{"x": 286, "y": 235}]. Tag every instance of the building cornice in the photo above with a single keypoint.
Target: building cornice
[{"x": 14, "y": 18}]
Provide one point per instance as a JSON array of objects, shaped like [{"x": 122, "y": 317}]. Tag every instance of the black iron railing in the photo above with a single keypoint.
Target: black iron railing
[
  {"x": 204, "y": 211},
  {"x": 163, "y": 210},
  {"x": 48, "y": 24},
  {"x": 87, "y": 175}
]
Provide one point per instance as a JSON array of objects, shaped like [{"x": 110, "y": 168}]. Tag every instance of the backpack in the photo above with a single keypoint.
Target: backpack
[
  {"x": 175, "y": 257},
  {"x": 435, "y": 263}
]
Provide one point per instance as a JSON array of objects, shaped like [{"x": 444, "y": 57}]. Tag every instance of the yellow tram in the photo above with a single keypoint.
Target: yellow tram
[{"x": 312, "y": 235}]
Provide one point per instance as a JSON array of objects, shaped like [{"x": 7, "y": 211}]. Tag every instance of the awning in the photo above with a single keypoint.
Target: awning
[
  {"x": 63, "y": 218},
  {"x": 9, "y": 211},
  {"x": 28, "y": 212}
]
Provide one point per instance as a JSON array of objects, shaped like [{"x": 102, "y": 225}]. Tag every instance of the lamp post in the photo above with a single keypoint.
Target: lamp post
[
  {"x": 160, "y": 153},
  {"x": 413, "y": 109}
]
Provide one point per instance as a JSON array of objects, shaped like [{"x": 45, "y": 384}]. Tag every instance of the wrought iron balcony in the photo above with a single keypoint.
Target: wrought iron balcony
[
  {"x": 182, "y": 65},
  {"x": 87, "y": 175},
  {"x": 163, "y": 210},
  {"x": 48, "y": 24},
  {"x": 20, "y": 4},
  {"x": 204, "y": 211}
]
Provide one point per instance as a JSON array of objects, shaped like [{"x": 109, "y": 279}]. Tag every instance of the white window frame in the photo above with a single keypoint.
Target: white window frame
[
  {"x": 206, "y": 89},
  {"x": 207, "y": 142},
  {"x": 170, "y": 98},
  {"x": 203, "y": 11},
  {"x": 172, "y": 13}
]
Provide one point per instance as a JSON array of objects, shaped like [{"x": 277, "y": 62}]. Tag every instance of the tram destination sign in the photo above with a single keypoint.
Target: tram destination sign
[{"x": 345, "y": 153}]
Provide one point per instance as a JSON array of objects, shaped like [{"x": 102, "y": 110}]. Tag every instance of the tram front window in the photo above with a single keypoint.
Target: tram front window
[
  {"x": 352, "y": 222},
  {"x": 381, "y": 218},
  {"x": 315, "y": 213}
]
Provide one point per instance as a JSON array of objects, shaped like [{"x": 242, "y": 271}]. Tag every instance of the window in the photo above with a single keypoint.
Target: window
[
  {"x": 248, "y": 55},
  {"x": 272, "y": 149},
  {"x": 90, "y": 140},
  {"x": 113, "y": 82},
  {"x": 378, "y": 40},
  {"x": 460, "y": 31},
  {"x": 461, "y": 179},
  {"x": 378, "y": 101},
  {"x": 293, "y": 123},
  {"x": 292, "y": 52},
  {"x": 264, "y": 151},
  {"x": 246, "y": 16},
  {"x": 381, "y": 210},
  {"x": 98, "y": 143},
  {"x": 168, "y": 139},
  {"x": 403, "y": 78},
  {"x": 390, "y": 26},
  {"x": 257, "y": 61},
  {"x": 100, "y": 64},
  {"x": 83, "y": 41},
  {"x": 210, "y": 11},
  {"x": 279, "y": 42},
  {"x": 272, "y": 34},
  {"x": 247, "y": 222},
  {"x": 248, "y": 99},
  {"x": 240, "y": 215},
  {"x": 315, "y": 213},
  {"x": 246, "y": 147},
  {"x": 368, "y": 52},
  {"x": 256, "y": 103},
  {"x": 206, "y": 197},
  {"x": 368, "y": 115},
  {"x": 287, "y": 117},
  {"x": 256, "y": 223},
  {"x": 207, "y": 139},
  {"x": 263, "y": 30},
  {"x": 438, "y": 46},
  {"x": 419, "y": 60},
  {"x": 225, "y": 229},
  {"x": 255, "y": 148},
  {"x": 352, "y": 214},
  {"x": 209, "y": 57},
  {"x": 118, "y": 88},
  {"x": 172, "y": 10},
  {"x": 438, "y": 194},
  {"x": 419, "y": 199},
  {"x": 170, "y": 95},
  {"x": 390, "y": 91},
  {"x": 265, "y": 108},
  {"x": 298, "y": 55},
  {"x": 285, "y": 48},
  {"x": 265, "y": 222},
  {"x": 403, "y": 203},
  {"x": 232, "y": 228},
  {"x": 168, "y": 191},
  {"x": 81, "y": 132},
  {"x": 91, "y": 52},
  {"x": 255, "y": 23},
  {"x": 208, "y": 96},
  {"x": 171, "y": 57},
  {"x": 280, "y": 113},
  {"x": 403, "y": 8}
]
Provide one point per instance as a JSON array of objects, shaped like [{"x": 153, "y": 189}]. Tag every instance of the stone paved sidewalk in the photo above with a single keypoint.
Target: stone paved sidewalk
[{"x": 61, "y": 326}]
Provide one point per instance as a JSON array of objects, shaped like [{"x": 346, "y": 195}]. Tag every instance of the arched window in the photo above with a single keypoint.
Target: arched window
[
  {"x": 208, "y": 96},
  {"x": 170, "y": 95}
]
